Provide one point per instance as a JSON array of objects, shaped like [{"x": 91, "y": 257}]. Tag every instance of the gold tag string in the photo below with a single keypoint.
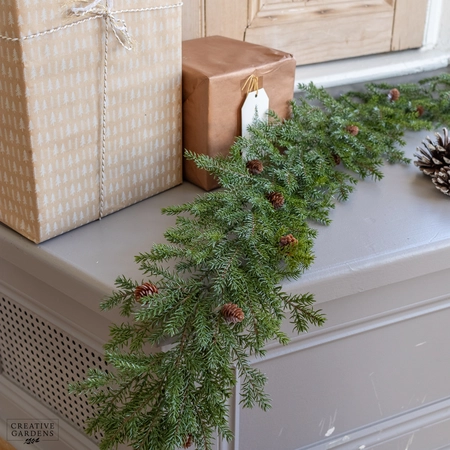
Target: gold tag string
[{"x": 252, "y": 84}]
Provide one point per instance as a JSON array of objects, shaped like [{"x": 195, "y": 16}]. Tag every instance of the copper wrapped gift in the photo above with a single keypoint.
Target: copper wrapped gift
[
  {"x": 90, "y": 98},
  {"x": 215, "y": 70}
]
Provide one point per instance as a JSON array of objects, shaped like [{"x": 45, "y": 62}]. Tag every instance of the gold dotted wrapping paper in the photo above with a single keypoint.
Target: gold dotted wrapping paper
[{"x": 51, "y": 101}]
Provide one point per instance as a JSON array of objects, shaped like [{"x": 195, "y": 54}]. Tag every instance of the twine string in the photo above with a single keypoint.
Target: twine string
[
  {"x": 92, "y": 11},
  {"x": 252, "y": 84},
  {"x": 120, "y": 30},
  {"x": 118, "y": 26},
  {"x": 81, "y": 10},
  {"x": 103, "y": 148}
]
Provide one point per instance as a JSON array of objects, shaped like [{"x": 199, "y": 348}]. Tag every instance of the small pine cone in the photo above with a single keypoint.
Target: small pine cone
[
  {"x": 232, "y": 313},
  {"x": 188, "y": 441},
  {"x": 420, "y": 110},
  {"x": 255, "y": 167},
  {"x": 394, "y": 95},
  {"x": 277, "y": 199},
  {"x": 337, "y": 158},
  {"x": 288, "y": 240},
  {"x": 352, "y": 129},
  {"x": 144, "y": 290}
]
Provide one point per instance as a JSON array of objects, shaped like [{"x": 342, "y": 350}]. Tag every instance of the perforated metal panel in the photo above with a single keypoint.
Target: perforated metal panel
[{"x": 43, "y": 359}]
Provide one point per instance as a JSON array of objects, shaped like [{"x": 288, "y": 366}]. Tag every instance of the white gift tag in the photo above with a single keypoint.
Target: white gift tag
[{"x": 256, "y": 106}]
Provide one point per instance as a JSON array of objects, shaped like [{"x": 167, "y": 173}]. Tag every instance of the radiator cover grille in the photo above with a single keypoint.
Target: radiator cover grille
[{"x": 43, "y": 359}]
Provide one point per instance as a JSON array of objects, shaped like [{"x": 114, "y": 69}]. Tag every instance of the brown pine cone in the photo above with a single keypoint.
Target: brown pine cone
[
  {"x": 276, "y": 198},
  {"x": 232, "y": 313},
  {"x": 394, "y": 95},
  {"x": 288, "y": 240},
  {"x": 187, "y": 441},
  {"x": 337, "y": 158},
  {"x": 144, "y": 290},
  {"x": 420, "y": 110},
  {"x": 255, "y": 167},
  {"x": 352, "y": 129}
]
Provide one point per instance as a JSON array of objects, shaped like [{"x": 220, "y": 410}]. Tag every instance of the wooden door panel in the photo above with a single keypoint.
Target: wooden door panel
[
  {"x": 315, "y": 34},
  {"x": 318, "y": 44},
  {"x": 304, "y": 3},
  {"x": 301, "y": 10},
  {"x": 278, "y": 14},
  {"x": 312, "y": 30},
  {"x": 409, "y": 24},
  {"x": 226, "y": 18},
  {"x": 193, "y": 19}
]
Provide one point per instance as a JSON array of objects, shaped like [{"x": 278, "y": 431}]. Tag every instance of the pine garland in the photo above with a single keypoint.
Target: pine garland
[{"x": 213, "y": 295}]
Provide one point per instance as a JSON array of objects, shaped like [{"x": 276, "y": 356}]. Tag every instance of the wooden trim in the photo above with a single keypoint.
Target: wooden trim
[
  {"x": 370, "y": 68},
  {"x": 425, "y": 422},
  {"x": 193, "y": 19},
  {"x": 226, "y": 18},
  {"x": 356, "y": 327},
  {"x": 409, "y": 24},
  {"x": 254, "y": 6}
]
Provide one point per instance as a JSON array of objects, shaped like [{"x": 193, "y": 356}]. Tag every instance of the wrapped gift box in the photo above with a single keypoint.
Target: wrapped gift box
[
  {"x": 215, "y": 70},
  {"x": 69, "y": 152}
]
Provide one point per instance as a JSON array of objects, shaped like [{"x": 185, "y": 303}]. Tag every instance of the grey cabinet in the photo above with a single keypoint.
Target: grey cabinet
[{"x": 376, "y": 376}]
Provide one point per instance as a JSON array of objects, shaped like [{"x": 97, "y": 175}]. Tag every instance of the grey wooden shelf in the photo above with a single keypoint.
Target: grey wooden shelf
[
  {"x": 391, "y": 224},
  {"x": 375, "y": 375}
]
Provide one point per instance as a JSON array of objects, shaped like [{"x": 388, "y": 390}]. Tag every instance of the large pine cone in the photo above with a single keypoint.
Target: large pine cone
[
  {"x": 434, "y": 160},
  {"x": 232, "y": 313},
  {"x": 145, "y": 290},
  {"x": 435, "y": 155}
]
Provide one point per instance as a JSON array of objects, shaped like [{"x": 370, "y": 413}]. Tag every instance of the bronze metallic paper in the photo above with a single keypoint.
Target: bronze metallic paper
[{"x": 214, "y": 71}]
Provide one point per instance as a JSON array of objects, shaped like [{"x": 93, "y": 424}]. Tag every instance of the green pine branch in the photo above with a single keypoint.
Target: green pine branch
[{"x": 176, "y": 358}]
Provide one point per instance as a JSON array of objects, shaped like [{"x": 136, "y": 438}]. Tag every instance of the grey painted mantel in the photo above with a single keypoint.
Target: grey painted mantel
[{"x": 376, "y": 376}]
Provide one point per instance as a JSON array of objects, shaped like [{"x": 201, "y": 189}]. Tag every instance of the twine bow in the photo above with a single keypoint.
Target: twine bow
[{"x": 118, "y": 26}]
